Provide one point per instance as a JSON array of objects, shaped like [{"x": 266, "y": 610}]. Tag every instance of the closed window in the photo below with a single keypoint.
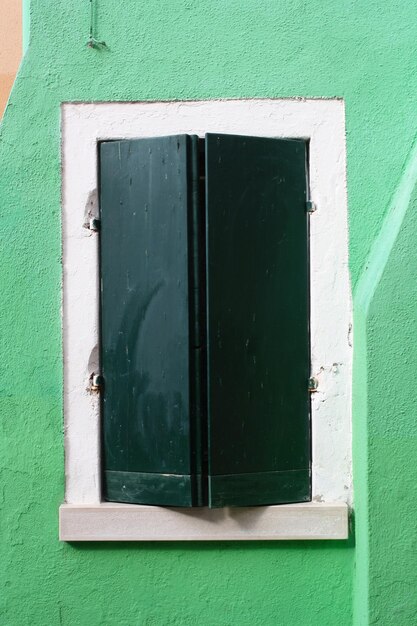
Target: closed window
[{"x": 207, "y": 300}]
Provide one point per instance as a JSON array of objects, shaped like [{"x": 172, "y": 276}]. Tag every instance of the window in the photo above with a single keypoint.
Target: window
[{"x": 85, "y": 515}]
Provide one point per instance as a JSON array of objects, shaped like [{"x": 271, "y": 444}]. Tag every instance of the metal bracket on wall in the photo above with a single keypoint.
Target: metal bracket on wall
[
  {"x": 311, "y": 207},
  {"x": 92, "y": 41}
]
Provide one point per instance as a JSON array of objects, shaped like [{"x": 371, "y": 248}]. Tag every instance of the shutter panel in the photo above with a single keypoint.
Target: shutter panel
[
  {"x": 258, "y": 311},
  {"x": 148, "y": 190}
]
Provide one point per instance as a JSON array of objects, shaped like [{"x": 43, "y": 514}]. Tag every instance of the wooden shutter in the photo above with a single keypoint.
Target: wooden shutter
[
  {"x": 149, "y": 333},
  {"x": 258, "y": 311},
  {"x": 157, "y": 254}
]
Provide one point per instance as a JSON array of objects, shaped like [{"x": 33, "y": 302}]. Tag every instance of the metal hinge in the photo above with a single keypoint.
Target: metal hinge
[
  {"x": 94, "y": 224},
  {"x": 311, "y": 207},
  {"x": 96, "y": 382},
  {"x": 313, "y": 384}
]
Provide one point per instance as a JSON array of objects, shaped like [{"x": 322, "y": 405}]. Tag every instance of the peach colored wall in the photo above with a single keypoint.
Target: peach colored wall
[{"x": 10, "y": 46}]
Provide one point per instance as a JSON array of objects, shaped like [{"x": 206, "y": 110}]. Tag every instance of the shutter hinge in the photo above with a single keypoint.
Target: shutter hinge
[
  {"x": 311, "y": 207},
  {"x": 94, "y": 224},
  {"x": 313, "y": 384},
  {"x": 96, "y": 383}
]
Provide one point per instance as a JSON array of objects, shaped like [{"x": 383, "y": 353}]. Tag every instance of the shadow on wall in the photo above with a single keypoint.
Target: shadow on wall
[{"x": 386, "y": 405}]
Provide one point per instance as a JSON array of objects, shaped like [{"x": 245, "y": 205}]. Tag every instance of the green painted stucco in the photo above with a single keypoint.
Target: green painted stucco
[
  {"x": 25, "y": 24},
  {"x": 361, "y": 50}
]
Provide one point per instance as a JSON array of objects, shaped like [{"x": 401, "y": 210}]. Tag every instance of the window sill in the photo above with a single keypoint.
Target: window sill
[{"x": 127, "y": 522}]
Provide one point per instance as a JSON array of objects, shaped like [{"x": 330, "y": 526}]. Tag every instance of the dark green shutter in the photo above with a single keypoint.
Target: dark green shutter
[
  {"x": 258, "y": 311},
  {"x": 148, "y": 188},
  {"x": 189, "y": 419}
]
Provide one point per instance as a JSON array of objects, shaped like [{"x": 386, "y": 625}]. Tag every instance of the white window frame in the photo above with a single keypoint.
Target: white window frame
[{"x": 84, "y": 517}]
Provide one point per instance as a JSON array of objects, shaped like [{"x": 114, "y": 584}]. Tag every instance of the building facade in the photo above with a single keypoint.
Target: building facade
[{"x": 361, "y": 54}]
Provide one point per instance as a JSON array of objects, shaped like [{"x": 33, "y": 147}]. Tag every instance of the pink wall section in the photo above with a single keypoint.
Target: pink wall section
[{"x": 10, "y": 46}]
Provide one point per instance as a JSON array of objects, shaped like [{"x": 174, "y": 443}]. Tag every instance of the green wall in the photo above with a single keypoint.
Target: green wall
[{"x": 361, "y": 50}]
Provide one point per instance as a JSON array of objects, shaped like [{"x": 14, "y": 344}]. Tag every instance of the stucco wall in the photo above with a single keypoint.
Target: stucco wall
[
  {"x": 363, "y": 51},
  {"x": 10, "y": 46}
]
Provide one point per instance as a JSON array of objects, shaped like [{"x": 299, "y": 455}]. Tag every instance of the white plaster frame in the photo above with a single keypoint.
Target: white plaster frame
[{"x": 84, "y": 516}]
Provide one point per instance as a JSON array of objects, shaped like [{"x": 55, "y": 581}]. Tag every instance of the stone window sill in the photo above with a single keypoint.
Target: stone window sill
[{"x": 130, "y": 522}]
